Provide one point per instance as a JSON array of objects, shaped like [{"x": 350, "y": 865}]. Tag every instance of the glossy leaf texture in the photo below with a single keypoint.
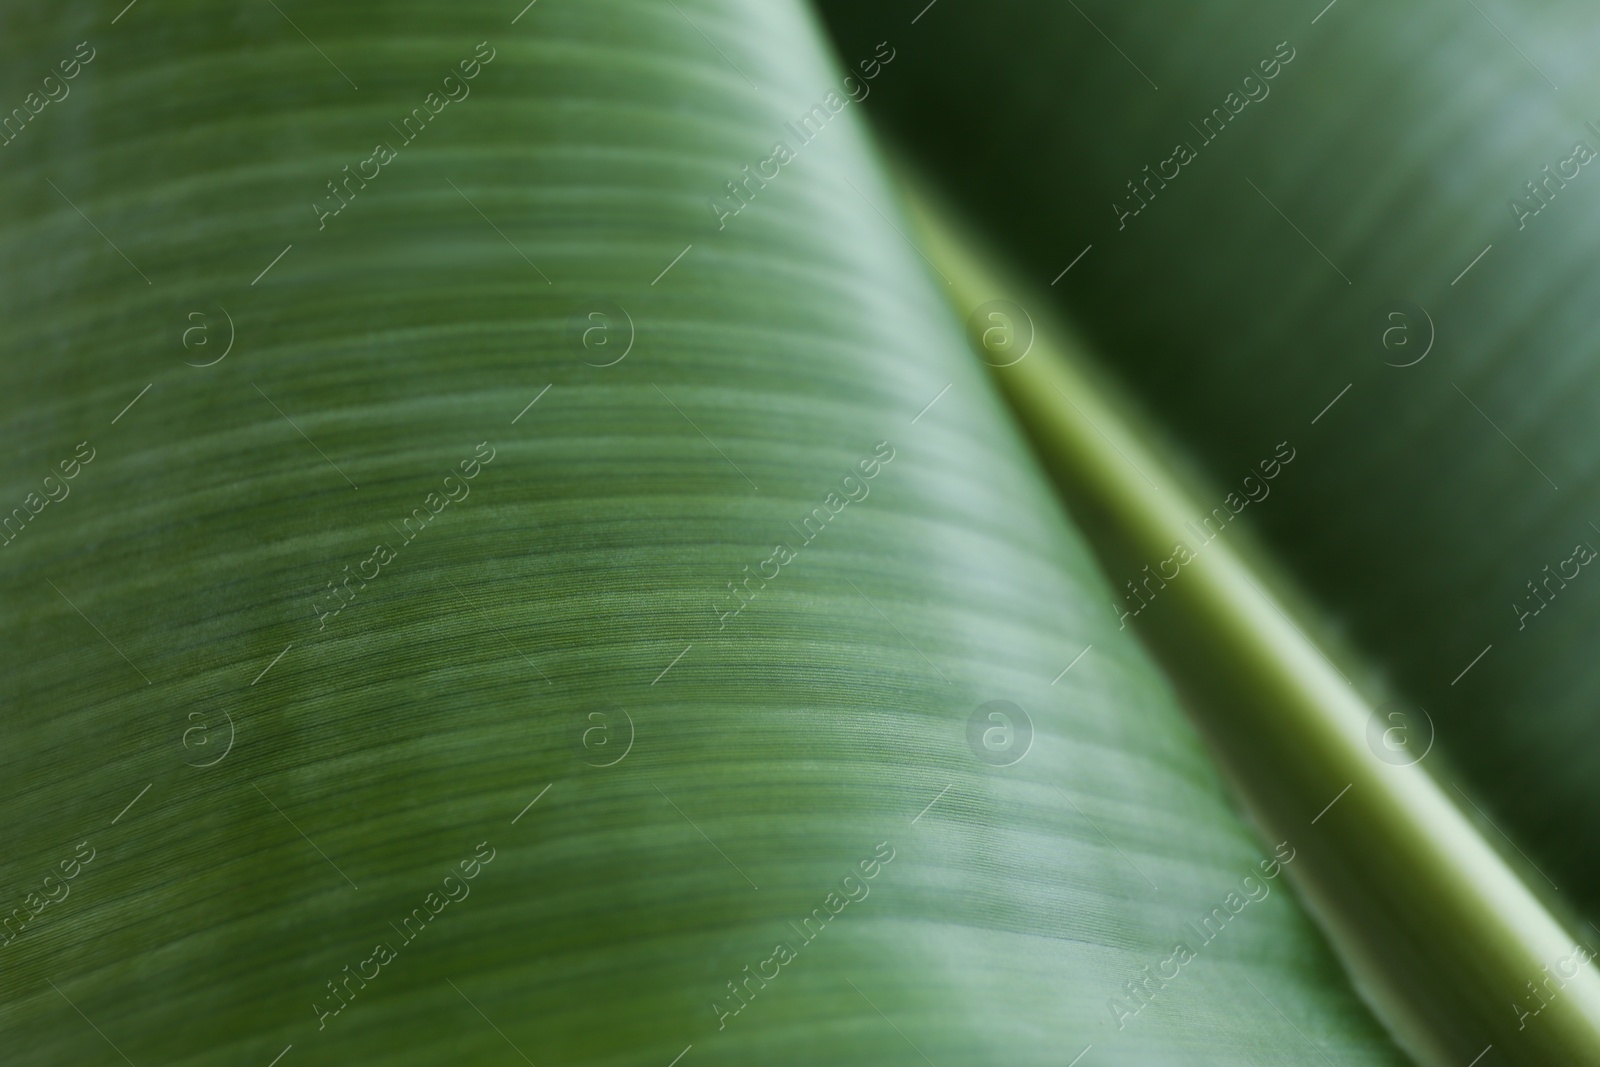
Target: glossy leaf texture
[
  {"x": 442, "y": 607},
  {"x": 1366, "y": 231}
]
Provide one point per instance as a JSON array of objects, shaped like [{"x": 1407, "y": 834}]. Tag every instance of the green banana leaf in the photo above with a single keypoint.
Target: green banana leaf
[
  {"x": 1364, "y": 231},
  {"x": 506, "y": 565},
  {"x": 1385, "y": 214},
  {"x": 1408, "y": 888}
]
